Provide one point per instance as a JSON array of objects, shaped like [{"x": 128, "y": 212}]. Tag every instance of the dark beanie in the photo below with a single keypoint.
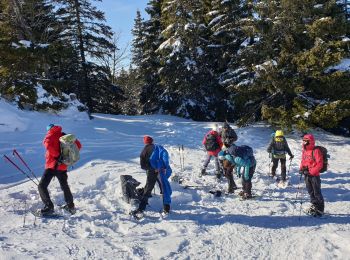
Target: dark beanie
[
  {"x": 147, "y": 139},
  {"x": 226, "y": 125}
]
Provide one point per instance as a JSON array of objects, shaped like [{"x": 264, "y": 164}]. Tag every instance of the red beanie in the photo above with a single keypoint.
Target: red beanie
[{"x": 147, "y": 139}]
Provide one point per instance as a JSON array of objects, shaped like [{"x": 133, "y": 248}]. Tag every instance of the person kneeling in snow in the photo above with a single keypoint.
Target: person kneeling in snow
[
  {"x": 244, "y": 161},
  {"x": 155, "y": 160}
]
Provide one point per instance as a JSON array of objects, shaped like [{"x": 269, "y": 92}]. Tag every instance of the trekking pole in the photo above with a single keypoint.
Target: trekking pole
[
  {"x": 180, "y": 157},
  {"x": 270, "y": 164},
  {"x": 183, "y": 157},
  {"x": 22, "y": 160},
  {"x": 290, "y": 163},
  {"x": 23, "y": 172},
  {"x": 301, "y": 200}
]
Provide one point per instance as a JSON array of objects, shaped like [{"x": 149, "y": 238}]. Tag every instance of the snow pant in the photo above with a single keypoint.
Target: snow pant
[
  {"x": 313, "y": 186},
  {"x": 283, "y": 167},
  {"x": 45, "y": 180},
  {"x": 152, "y": 178},
  {"x": 228, "y": 172},
  {"x": 207, "y": 161},
  {"x": 247, "y": 184}
]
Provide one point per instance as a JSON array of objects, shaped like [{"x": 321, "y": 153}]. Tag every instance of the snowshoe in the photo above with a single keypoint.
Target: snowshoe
[
  {"x": 46, "y": 214},
  {"x": 216, "y": 193},
  {"x": 70, "y": 209},
  {"x": 164, "y": 214},
  {"x": 137, "y": 214},
  {"x": 282, "y": 184}
]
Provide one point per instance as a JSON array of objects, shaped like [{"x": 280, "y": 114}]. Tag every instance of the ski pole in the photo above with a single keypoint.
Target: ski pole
[
  {"x": 290, "y": 163},
  {"x": 270, "y": 164},
  {"x": 15, "y": 165},
  {"x": 180, "y": 157},
  {"x": 20, "y": 157},
  {"x": 183, "y": 158},
  {"x": 301, "y": 200}
]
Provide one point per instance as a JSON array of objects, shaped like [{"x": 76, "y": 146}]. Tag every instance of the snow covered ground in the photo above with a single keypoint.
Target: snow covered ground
[{"x": 200, "y": 226}]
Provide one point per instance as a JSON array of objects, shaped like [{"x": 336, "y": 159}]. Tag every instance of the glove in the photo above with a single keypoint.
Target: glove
[
  {"x": 306, "y": 172},
  {"x": 291, "y": 157}
]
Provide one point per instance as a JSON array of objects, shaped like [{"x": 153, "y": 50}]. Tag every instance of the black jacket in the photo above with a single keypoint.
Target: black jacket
[
  {"x": 144, "y": 157},
  {"x": 279, "y": 148}
]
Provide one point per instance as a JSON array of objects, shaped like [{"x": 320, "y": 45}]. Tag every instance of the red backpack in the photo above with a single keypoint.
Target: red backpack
[{"x": 325, "y": 156}]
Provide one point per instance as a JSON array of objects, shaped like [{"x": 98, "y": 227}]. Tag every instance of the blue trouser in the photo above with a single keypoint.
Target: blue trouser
[
  {"x": 152, "y": 178},
  {"x": 313, "y": 186}
]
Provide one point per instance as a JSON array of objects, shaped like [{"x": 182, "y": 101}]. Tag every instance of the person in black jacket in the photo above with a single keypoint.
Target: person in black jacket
[
  {"x": 152, "y": 178},
  {"x": 228, "y": 135},
  {"x": 278, "y": 148}
]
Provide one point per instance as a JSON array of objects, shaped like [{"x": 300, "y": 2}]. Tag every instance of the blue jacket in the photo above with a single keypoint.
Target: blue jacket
[
  {"x": 239, "y": 163},
  {"x": 159, "y": 160}
]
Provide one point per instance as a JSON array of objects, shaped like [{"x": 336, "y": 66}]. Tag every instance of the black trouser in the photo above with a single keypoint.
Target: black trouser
[
  {"x": 283, "y": 167},
  {"x": 152, "y": 177},
  {"x": 247, "y": 184},
  {"x": 313, "y": 186},
  {"x": 45, "y": 180}
]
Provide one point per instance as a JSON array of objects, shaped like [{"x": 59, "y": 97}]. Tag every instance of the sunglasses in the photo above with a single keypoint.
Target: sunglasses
[{"x": 305, "y": 141}]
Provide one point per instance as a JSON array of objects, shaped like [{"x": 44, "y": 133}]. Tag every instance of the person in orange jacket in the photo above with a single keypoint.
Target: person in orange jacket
[
  {"x": 310, "y": 166},
  {"x": 212, "y": 143},
  {"x": 53, "y": 168}
]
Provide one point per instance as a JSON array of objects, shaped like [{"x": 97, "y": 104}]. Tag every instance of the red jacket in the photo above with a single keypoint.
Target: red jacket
[
  {"x": 315, "y": 163},
  {"x": 218, "y": 139},
  {"x": 52, "y": 145}
]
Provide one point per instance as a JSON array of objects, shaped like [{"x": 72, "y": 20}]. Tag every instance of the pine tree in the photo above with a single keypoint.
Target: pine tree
[
  {"x": 85, "y": 28},
  {"x": 298, "y": 40},
  {"x": 149, "y": 63},
  {"x": 138, "y": 40}
]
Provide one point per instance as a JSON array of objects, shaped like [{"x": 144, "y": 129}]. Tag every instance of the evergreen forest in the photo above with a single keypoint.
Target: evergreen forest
[{"x": 286, "y": 62}]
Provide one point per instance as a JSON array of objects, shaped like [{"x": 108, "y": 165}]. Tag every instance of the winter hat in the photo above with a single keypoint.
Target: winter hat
[
  {"x": 226, "y": 126},
  {"x": 279, "y": 133},
  {"x": 147, "y": 139},
  {"x": 49, "y": 127}
]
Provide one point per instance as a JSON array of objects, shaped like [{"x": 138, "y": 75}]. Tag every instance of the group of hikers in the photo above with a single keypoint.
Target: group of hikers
[
  {"x": 229, "y": 157},
  {"x": 219, "y": 144}
]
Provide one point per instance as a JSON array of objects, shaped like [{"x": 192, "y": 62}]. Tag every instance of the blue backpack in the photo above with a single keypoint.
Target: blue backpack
[
  {"x": 159, "y": 159},
  {"x": 243, "y": 151}
]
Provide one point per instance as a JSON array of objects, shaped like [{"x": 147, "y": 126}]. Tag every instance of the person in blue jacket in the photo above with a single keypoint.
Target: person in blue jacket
[
  {"x": 244, "y": 166},
  {"x": 155, "y": 160}
]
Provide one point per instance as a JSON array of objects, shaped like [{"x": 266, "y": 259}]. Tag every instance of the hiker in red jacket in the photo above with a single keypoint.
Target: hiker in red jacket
[
  {"x": 212, "y": 143},
  {"x": 55, "y": 169},
  {"x": 310, "y": 166}
]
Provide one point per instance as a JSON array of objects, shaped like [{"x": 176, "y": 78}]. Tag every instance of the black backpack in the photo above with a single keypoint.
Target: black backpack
[
  {"x": 325, "y": 156},
  {"x": 211, "y": 144}
]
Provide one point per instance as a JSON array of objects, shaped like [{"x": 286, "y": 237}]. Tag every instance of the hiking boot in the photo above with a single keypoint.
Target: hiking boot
[
  {"x": 218, "y": 175},
  {"x": 166, "y": 208},
  {"x": 203, "y": 172},
  {"x": 137, "y": 214},
  {"x": 47, "y": 210},
  {"x": 246, "y": 196},
  {"x": 70, "y": 208},
  {"x": 230, "y": 191},
  {"x": 313, "y": 211}
]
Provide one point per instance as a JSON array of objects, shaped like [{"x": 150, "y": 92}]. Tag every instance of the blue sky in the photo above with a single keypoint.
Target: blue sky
[{"x": 120, "y": 15}]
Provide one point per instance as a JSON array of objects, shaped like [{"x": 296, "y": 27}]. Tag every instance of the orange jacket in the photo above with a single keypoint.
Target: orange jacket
[
  {"x": 313, "y": 163},
  {"x": 52, "y": 145}
]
